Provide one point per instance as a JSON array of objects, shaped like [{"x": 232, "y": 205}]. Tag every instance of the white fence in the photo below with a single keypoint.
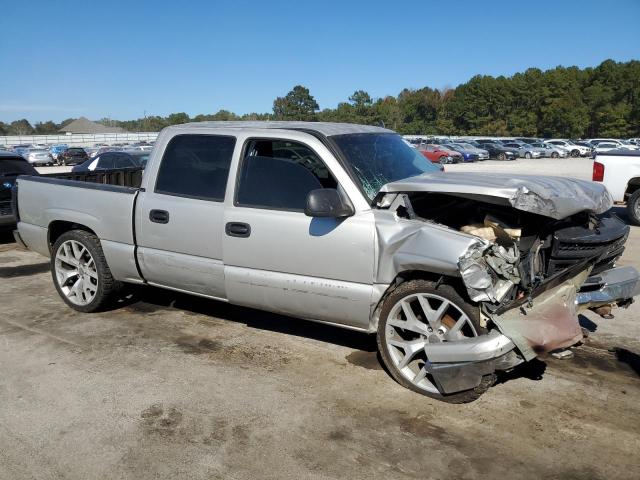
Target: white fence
[{"x": 79, "y": 139}]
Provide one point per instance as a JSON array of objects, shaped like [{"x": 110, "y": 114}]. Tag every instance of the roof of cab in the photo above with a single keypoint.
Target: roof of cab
[{"x": 324, "y": 128}]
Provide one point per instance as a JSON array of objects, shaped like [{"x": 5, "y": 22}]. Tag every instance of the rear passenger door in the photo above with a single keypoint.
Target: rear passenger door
[
  {"x": 277, "y": 258},
  {"x": 179, "y": 222}
]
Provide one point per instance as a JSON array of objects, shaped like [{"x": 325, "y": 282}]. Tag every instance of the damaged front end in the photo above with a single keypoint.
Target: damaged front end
[{"x": 541, "y": 251}]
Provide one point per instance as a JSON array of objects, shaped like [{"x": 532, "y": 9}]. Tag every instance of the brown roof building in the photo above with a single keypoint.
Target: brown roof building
[{"x": 84, "y": 125}]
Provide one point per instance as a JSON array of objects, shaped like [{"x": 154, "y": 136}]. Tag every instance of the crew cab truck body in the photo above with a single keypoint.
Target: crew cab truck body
[
  {"x": 460, "y": 275},
  {"x": 619, "y": 171}
]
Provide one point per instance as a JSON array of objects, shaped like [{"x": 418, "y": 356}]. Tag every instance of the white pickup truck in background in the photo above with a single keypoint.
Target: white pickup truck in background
[{"x": 619, "y": 171}]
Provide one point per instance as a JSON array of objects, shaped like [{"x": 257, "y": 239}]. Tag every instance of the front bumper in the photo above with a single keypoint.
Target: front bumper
[
  {"x": 615, "y": 286},
  {"x": 458, "y": 366}
]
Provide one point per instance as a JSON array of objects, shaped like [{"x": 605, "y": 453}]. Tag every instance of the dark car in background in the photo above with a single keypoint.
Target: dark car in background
[
  {"x": 113, "y": 160},
  {"x": 72, "y": 156},
  {"x": 467, "y": 155},
  {"x": 12, "y": 164},
  {"x": 499, "y": 151}
]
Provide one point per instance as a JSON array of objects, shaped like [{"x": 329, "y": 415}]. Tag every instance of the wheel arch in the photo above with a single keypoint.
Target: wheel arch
[
  {"x": 632, "y": 185},
  {"x": 60, "y": 227},
  {"x": 406, "y": 276}
]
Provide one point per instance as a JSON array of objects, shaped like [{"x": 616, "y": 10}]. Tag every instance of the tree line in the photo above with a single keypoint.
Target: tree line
[{"x": 602, "y": 101}]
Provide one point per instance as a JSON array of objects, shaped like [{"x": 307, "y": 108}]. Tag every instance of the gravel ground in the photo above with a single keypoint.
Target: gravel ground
[{"x": 171, "y": 386}]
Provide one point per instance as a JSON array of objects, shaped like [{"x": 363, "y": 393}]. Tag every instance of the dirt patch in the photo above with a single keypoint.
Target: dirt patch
[
  {"x": 197, "y": 345},
  {"x": 157, "y": 421}
]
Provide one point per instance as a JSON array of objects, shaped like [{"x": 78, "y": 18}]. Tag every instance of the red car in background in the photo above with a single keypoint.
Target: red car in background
[{"x": 438, "y": 154}]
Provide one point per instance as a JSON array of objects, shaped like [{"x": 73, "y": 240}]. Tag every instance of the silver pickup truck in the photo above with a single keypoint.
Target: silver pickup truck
[{"x": 460, "y": 275}]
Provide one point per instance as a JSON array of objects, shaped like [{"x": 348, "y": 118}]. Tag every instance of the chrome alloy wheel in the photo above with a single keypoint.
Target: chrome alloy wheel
[
  {"x": 76, "y": 272},
  {"x": 416, "y": 321}
]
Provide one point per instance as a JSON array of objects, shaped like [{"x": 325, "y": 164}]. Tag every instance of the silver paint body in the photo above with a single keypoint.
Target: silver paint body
[{"x": 323, "y": 269}]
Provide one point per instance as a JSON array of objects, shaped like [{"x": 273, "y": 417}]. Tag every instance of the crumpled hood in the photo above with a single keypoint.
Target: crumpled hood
[{"x": 554, "y": 197}]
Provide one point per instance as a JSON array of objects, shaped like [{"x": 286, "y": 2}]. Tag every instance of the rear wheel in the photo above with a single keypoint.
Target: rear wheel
[
  {"x": 80, "y": 272},
  {"x": 416, "y": 314},
  {"x": 633, "y": 207}
]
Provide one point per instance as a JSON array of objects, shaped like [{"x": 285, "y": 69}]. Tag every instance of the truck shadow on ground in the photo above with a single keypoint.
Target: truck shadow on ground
[
  {"x": 148, "y": 299},
  {"x": 6, "y": 236}
]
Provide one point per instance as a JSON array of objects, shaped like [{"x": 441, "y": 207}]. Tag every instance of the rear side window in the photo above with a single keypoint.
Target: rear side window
[
  {"x": 123, "y": 161},
  {"x": 196, "y": 166},
  {"x": 105, "y": 161},
  {"x": 278, "y": 174}
]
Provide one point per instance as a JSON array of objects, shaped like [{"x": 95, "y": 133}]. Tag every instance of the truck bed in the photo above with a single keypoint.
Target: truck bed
[{"x": 106, "y": 209}]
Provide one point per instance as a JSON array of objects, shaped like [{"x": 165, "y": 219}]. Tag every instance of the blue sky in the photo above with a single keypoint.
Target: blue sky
[{"x": 119, "y": 59}]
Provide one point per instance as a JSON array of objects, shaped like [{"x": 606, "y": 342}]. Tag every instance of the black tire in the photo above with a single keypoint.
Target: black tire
[
  {"x": 501, "y": 156},
  {"x": 445, "y": 291},
  {"x": 555, "y": 154},
  {"x": 527, "y": 155},
  {"x": 575, "y": 153},
  {"x": 107, "y": 285},
  {"x": 633, "y": 207}
]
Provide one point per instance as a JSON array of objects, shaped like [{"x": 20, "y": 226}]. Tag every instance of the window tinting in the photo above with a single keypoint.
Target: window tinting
[
  {"x": 279, "y": 174},
  {"x": 105, "y": 161},
  {"x": 196, "y": 166},
  {"x": 123, "y": 160}
]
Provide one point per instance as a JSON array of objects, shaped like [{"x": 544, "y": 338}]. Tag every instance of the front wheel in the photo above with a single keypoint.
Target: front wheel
[
  {"x": 502, "y": 156},
  {"x": 555, "y": 155},
  {"x": 575, "y": 153},
  {"x": 416, "y": 314},
  {"x": 633, "y": 207},
  {"x": 80, "y": 271},
  {"x": 527, "y": 155}
]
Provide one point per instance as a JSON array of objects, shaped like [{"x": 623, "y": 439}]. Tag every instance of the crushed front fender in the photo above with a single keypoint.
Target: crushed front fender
[{"x": 546, "y": 323}]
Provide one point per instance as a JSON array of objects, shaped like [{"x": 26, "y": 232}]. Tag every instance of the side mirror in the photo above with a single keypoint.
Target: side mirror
[{"x": 327, "y": 202}]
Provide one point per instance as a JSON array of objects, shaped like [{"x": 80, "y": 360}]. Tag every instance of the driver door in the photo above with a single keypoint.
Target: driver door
[{"x": 276, "y": 258}]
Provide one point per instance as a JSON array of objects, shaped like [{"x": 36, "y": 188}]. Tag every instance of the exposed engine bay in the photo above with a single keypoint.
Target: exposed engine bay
[{"x": 521, "y": 250}]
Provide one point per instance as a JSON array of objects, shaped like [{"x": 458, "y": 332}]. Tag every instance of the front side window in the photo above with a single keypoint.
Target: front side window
[
  {"x": 279, "y": 174},
  {"x": 196, "y": 166}
]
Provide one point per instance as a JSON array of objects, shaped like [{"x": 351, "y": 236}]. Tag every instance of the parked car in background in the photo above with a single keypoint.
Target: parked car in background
[
  {"x": 528, "y": 140},
  {"x": 91, "y": 151},
  {"x": 72, "y": 156},
  {"x": 467, "y": 155},
  {"x": 607, "y": 147},
  {"x": 21, "y": 149},
  {"x": 620, "y": 143},
  {"x": 481, "y": 152},
  {"x": 574, "y": 149},
  {"x": 55, "y": 150},
  {"x": 552, "y": 151},
  {"x": 112, "y": 160},
  {"x": 12, "y": 164},
  {"x": 440, "y": 154},
  {"x": 38, "y": 156},
  {"x": 525, "y": 150},
  {"x": 498, "y": 151}
]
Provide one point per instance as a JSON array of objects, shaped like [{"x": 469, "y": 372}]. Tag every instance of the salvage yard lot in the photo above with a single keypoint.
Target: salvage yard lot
[{"x": 171, "y": 386}]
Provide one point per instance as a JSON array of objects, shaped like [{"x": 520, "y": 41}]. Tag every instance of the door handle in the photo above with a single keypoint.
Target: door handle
[
  {"x": 159, "y": 216},
  {"x": 237, "y": 229}
]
